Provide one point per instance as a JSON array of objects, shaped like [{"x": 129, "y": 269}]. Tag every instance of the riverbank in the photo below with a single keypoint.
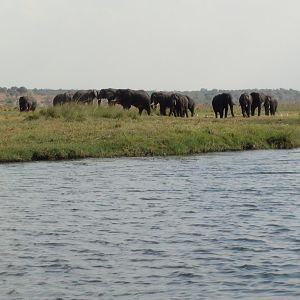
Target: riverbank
[{"x": 87, "y": 131}]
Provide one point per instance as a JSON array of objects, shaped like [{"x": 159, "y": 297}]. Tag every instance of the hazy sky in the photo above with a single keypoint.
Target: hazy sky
[{"x": 150, "y": 44}]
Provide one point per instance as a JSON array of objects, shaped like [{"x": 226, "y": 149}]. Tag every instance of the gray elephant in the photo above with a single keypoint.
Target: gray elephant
[
  {"x": 245, "y": 103},
  {"x": 270, "y": 105},
  {"x": 109, "y": 94},
  {"x": 61, "y": 99},
  {"x": 181, "y": 105},
  {"x": 165, "y": 102},
  {"x": 140, "y": 99},
  {"x": 85, "y": 96},
  {"x": 257, "y": 101},
  {"x": 27, "y": 103},
  {"x": 191, "y": 105},
  {"x": 220, "y": 105}
]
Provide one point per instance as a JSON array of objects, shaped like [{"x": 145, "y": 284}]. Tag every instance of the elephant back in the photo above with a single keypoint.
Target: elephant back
[
  {"x": 245, "y": 99},
  {"x": 222, "y": 99},
  {"x": 138, "y": 98},
  {"x": 61, "y": 99},
  {"x": 258, "y": 98},
  {"x": 85, "y": 96},
  {"x": 109, "y": 94},
  {"x": 27, "y": 103}
]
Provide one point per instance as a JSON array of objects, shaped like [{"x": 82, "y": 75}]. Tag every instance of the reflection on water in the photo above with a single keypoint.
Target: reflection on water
[{"x": 216, "y": 226}]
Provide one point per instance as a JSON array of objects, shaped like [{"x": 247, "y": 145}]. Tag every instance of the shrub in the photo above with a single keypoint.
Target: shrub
[{"x": 280, "y": 142}]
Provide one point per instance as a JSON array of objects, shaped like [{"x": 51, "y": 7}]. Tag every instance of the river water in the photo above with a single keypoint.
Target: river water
[{"x": 215, "y": 226}]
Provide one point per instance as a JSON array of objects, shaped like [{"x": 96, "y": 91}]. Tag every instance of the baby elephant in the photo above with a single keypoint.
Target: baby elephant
[{"x": 27, "y": 103}]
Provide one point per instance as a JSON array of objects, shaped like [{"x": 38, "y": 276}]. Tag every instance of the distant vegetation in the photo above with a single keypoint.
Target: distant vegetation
[{"x": 9, "y": 96}]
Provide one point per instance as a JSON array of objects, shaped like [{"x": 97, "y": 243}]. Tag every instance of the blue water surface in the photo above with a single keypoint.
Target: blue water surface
[{"x": 214, "y": 226}]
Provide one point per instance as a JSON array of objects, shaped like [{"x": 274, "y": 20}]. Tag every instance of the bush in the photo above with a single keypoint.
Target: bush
[
  {"x": 78, "y": 112},
  {"x": 280, "y": 142}
]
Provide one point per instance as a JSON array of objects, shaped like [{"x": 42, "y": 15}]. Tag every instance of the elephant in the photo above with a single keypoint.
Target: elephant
[
  {"x": 61, "y": 99},
  {"x": 85, "y": 96},
  {"x": 257, "y": 101},
  {"x": 220, "y": 104},
  {"x": 245, "y": 103},
  {"x": 270, "y": 105},
  {"x": 109, "y": 94},
  {"x": 191, "y": 105},
  {"x": 164, "y": 100},
  {"x": 181, "y": 104},
  {"x": 27, "y": 103},
  {"x": 139, "y": 99}
]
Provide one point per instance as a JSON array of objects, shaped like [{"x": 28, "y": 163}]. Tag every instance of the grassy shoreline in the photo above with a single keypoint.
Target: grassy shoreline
[{"x": 86, "y": 131}]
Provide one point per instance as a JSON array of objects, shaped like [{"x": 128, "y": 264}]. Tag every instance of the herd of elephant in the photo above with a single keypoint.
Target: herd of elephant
[
  {"x": 248, "y": 102},
  {"x": 178, "y": 104}
]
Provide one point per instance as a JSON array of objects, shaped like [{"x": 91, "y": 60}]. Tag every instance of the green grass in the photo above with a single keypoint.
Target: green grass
[{"x": 71, "y": 132}]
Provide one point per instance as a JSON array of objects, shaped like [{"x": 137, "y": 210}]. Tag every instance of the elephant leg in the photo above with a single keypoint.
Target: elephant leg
[
  {"x": 248, "y": 111},
  {"x": 221, "y": 114},
  {"x": 243, "y": 112},
  {"x": 272, "y": 111},
  {"x": 163, "y": 111},
  {"x": 259, "y": 109},
  {"x": 226, "y": 111},
  {"x": 140, "y": 110},
  {"x": 231, "y": 110}
]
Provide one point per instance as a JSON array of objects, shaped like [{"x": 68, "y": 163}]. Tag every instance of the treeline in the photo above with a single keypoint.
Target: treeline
[
  {"x": 9, "y": 96},
  {"x": 18, "y": 91}
]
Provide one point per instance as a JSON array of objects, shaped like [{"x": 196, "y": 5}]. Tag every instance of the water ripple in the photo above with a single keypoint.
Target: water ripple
[{"x": 215, "y": 226}]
